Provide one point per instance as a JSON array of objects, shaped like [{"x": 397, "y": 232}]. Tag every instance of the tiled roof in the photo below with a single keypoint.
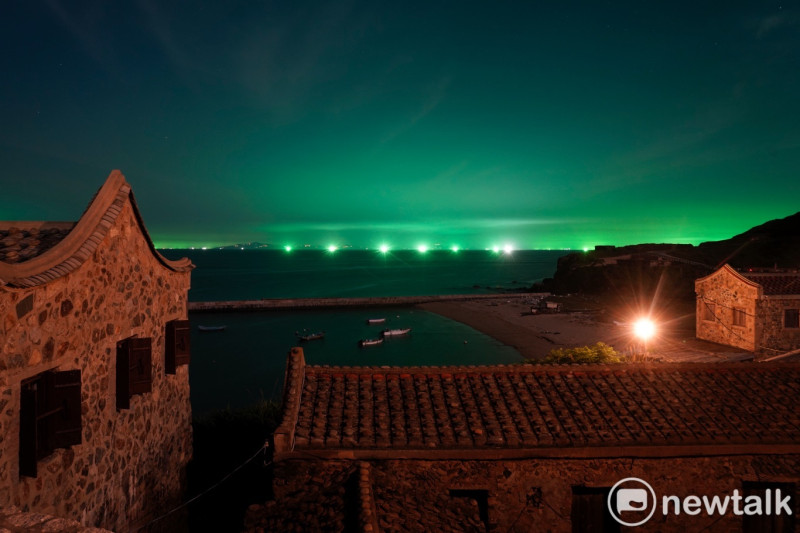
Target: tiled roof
[
  {"x": 776, "y": 284},
  {"x": 538, "y": 406},
  {"x": 32, "y": 254},
  {"x": 20, "y": 244}
]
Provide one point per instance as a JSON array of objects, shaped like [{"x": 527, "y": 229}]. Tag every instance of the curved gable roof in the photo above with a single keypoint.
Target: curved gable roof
[
  {"x": 726, "y": 269},
  {"x": 79, "y": 243}
]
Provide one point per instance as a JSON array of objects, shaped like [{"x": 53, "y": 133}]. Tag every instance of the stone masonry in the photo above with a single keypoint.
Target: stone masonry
[{"x": 89, "y": 293}]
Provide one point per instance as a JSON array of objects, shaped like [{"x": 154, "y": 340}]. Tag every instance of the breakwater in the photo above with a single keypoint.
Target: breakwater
[{"x": 267, "y": 304}]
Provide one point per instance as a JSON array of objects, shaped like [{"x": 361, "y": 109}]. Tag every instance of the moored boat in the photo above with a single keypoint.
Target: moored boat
[
  {"x": 310, "y": 336},
  {"x": 211, "y": 328},
  {"x": 376, "y": 320},
  {"x": 369, "y": 342},
  {"x": 394, "y": 332}
]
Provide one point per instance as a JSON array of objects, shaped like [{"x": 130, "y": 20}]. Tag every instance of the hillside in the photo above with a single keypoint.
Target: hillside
[{"x": 670, "y": 269}]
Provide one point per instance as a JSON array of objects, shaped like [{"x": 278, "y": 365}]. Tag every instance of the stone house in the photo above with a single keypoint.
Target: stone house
[
  {"x": 529, "y": 447},
  {"x": 94, "y": 384},
  {"x": 755, "y": 311}
]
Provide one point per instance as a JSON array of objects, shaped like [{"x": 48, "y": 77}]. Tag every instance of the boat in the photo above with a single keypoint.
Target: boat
[
  {"x": 394, "y": 332},
  {"x": 376, "y": 320},
  {"x": 369, "y": 342},
  {"x": 211, "y": 328},
  {"x": 310, "y": 336}
]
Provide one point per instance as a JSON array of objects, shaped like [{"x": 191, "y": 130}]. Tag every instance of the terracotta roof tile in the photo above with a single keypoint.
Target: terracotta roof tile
[
  {"x": 776, "y": 284},
  {"x": 529, "y": 406},
  {"x": 21, "y": 244}
]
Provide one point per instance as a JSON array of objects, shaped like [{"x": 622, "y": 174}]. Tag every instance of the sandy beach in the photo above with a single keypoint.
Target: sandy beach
[{"x": 534, "y": 335}]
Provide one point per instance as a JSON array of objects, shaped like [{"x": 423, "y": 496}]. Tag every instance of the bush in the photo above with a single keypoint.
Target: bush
[{"x": 596, "y": 353}]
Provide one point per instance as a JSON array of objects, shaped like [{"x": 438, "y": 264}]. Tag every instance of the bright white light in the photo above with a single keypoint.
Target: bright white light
[
  {"x": 508, "y": 248},
  {"x": 585, "y": 249},
  {"x": 455, "y": 248},
  {"x": 496, "y": 249},
  {"x": 383, "y": 248},
  {"x": 644, "y": 328},
  {"x": 204, "y": 248},
  {"x": 332, "y": 248},
  {"x": 422, "y": 248},
  {"x": 287, "y": 248}
]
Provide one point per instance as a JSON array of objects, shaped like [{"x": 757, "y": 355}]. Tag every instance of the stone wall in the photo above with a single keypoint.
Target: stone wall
[
  {"x": 130, "y": 466},
  {"x": 536, "y": 494},
  {"x": 725, "y": 292},
  {"x": 773, "y": 336}
]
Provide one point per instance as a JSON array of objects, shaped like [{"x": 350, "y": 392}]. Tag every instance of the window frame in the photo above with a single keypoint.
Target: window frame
[
  {"x": 50, "y": 416},
  {"x": 134, "y": 369},
  {"x": 739, "y": 317},
  {"x": 795, "y": 321},
  {"x": 709, "y": 312},
  {"x": 177, "y": 345}
]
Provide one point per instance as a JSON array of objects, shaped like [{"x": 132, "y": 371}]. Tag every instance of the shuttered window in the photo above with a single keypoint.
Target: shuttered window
[
  {"x": 739, "y": 317},
  {"x": 791, "y": 318},
  {"x": 134, "y": 369},
  {"x": 590, "y": 513},
  {"x": 178, "y": 345},
  {"x": 50, "y": 416}
]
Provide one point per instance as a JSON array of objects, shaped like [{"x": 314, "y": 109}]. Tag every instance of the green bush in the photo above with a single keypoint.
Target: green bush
[{"x": 596, "y": 353}]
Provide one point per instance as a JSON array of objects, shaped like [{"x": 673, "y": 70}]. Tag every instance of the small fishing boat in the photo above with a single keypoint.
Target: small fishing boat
[
  {"x": 211, "y": 328},
  {"x": 376, "y": 320},
  {"x": 394, "y": 332},
  {"x": 310, "y": 336},
  {"x": 369, "y": 342}
]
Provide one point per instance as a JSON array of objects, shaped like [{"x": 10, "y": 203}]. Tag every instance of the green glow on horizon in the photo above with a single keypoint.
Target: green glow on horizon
[
  {"x": 287, "y": 248},
  {"x": 422, "y": 248},
  {"x": 383, "y": 248},
  {"x": 455, "y": 248},
  {"x": 332, "y": 248}
]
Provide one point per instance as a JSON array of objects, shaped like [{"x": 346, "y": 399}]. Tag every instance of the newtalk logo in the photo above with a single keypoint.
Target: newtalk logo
[{"x": 632, "y": 502}]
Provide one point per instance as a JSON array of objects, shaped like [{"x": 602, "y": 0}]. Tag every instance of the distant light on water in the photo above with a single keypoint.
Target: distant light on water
[
  {"x": 422, "y": 248},
  {"x": 332, "y": 248},
  {"x": 455, "y": 248},
  {"x": 383, "y": 248},
  {"x": 287, "y": 248},
  {"x": 496, "y": 249},
  {"x": 508, "y": 248}
]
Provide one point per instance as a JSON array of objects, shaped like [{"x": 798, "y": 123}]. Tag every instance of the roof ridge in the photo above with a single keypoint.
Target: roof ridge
[
  {"x": 83, "y": 239},
  {"x": 560, "y": 367}
]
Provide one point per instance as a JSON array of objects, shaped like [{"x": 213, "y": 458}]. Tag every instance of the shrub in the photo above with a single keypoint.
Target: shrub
[{"x": 596, "y": 353}]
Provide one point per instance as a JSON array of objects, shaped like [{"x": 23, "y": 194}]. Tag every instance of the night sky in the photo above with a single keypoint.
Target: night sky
[{"x": 406, "y": 123}]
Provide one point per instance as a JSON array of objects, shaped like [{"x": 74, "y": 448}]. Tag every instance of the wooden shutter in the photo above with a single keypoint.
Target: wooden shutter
[
  {"x": 590, "y": 511},
  {"x": 134, "y": 369},
  {"x": 178, "y": 343},
  {"x": 123, "y": 374},
  {"x": 141, "y": 370},
  {"x": 49, "y": 417},
  {"x": 27, "y": 429},
  {"x": 66, "y": 398}
]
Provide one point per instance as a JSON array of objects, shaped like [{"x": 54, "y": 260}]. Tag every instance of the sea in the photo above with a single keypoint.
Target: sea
[{"x": 245, "y": 362}]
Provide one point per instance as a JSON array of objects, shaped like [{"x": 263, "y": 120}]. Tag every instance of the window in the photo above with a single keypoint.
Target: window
[
  {"x": 590, "y": 511},
  {"x": 49, "y": 416},
  {"x": 134, "y": 369},
  {"x": 739, "y": 317},
  {"x": 177, "y": 339},
  {"x": 481, "y": 498},
  {"x": 769, "y": 522},
  {"x": 791, "y": 318},
  {"x": 708, "y": 311}
]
